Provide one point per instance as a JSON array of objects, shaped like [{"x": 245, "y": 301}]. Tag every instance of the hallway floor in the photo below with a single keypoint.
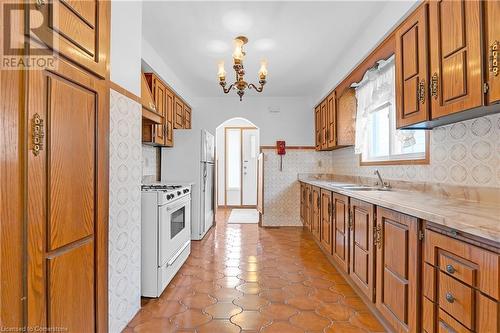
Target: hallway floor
[{"x": 242, "y": 278}]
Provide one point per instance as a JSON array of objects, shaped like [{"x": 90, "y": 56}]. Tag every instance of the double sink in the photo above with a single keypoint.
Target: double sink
[{"x": 357, "y": 187}]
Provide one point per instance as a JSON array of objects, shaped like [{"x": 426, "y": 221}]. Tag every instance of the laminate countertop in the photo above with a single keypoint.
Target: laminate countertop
[{"x": 475, "y": 218}]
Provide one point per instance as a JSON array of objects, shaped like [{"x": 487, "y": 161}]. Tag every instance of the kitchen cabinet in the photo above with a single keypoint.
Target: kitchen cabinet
[
  {"x": 303, "y": 200},
  {"x": 169, "y": 118},
  {"x": 67, "y": 195},
  {"x": 323, "y": 124},
  {"x": 331, "y": 130},
  {"x": 397, "y": 269},
  {"x": 346, "y": 117},
  {"x": 80, "y": 33},
  {"x": 179, "y": 113},
  {"x": 412, "y": 102},
  {"x": 317, "y": 127},
  {"x": 455, "y": 56},
  {"x": 187, "y": 117},
  {"x": 326, "y": 220},
  {"x": 341, "y": 230},
  {"x": 361, "y": 247},
  {"x": 460, "y": 284},
  {"x": 159, "y": 134},
  {"x": 316, "y": 212},
  {"x": 492, "y": 45},
  {"x": 308, "y": 207}
]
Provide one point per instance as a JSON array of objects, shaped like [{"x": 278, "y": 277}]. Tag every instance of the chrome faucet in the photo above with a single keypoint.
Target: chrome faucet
[{"x": 381, "y": 182}]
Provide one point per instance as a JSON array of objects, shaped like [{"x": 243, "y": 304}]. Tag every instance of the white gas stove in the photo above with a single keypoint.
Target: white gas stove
[{"x": 166, "y": 234}]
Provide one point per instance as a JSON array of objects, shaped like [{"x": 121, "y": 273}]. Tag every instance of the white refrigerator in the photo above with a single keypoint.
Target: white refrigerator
[{"x": 192, "y": 160}]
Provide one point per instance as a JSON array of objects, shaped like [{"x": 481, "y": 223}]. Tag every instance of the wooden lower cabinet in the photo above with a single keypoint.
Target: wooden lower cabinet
[
  {"x": 303, "y": 203},
  {"x": 326, "y": 220},
  {"x": 361, "y": 248},
  {"x": 398, "y": 269},
  {"x": 460, "y": 286},
  {"x": 316, "y": 212},
  {"x": 67, "y": 195},
  {"x": 341, "y": 230}
]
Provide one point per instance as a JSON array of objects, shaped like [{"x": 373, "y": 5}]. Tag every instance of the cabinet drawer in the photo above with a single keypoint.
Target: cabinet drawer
[
  {"x": 457, "y": 299},
  {"x": 446, "y": 324},
  {"x": 459, "y": 269}
]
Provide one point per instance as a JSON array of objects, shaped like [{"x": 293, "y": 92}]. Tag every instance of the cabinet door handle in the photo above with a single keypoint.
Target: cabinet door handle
[
  {"x": 37, "y": 134},
  {"x": 434, "y": 85},
  {"x": 494, "y": 58},
  {"x": 450, "y": 269},
  {"x": 450, "y": 298},
  {"x": 421, "y": 92}
]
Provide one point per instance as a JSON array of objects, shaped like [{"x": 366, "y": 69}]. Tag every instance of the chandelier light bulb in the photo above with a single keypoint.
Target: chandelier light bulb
[
  {"x": 222, "y": 72},
  {"x": 263, "y": 68},
  {"x": 238, "y": 49}
]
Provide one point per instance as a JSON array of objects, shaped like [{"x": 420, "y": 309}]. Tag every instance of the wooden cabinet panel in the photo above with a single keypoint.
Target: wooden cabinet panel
[
  {"x": 79, "y": 30},
  {"x": 169, "y": 118},
  {"x": 397, "y": 276},
  {"x": 346, "y": 117},
  {"x": 160, "y": 101},
  {"x": 67, "y": 196},
  {"x": 323, "y": 124},
  {"x": 316, "y": 212},
  {"x": 331, "y": 131},
  {"x": 341, "y": 230},
  {"x": 428, "y": 315},
  {"x": 492, "y": 37},
  {"x": 308, "y": 207},
  {"x": 412, "y": 104},
  {"x": 317, "y": 127},
  {"x": 303, "y": 200},
  {"x": 362, "y": 252},
  {"x": 179, "y": 113},
  {"x": 326, "y": 220},
  {"x": 487, "y": 314},
  {"x": 455, "y": 56},
  {"x": 456, "y": 298},
  {"x": 447, "y": 324},
  {"x": 187, "y": 117}
]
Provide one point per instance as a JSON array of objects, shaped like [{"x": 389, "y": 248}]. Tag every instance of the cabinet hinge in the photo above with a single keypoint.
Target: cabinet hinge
[
  {"x": 486, "y": 87},
  {"x": 350, "y": 220},
  {"x": 420, "y": 235}
]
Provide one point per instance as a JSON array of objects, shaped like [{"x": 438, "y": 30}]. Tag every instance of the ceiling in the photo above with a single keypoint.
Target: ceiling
[{"x": 300, "y": 40}]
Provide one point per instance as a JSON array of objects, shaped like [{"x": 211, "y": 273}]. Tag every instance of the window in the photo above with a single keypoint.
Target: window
[{"x": 377, "y": 139}]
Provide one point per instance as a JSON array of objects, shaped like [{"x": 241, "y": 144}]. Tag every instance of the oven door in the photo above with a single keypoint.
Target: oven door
[{"x": 174, "y": 228}]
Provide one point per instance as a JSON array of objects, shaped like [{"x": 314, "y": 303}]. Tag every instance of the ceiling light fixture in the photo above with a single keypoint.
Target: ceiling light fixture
[{"x": 240, "y": 85}]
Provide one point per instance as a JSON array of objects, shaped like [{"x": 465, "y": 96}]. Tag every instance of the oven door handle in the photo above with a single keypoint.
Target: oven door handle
[
  {"x": 179, "y": 204},
  {"x": 178, "y": 253}
]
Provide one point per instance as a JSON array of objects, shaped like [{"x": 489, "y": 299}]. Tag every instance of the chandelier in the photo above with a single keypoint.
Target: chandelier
[{"x": 240, "y": 84}]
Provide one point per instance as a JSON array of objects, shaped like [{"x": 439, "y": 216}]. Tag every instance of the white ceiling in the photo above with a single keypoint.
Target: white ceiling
[{"x": 302, "y": 41}]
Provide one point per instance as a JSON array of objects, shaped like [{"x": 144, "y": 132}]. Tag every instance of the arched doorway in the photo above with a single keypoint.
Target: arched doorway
[{"x": 237, "y": 150}]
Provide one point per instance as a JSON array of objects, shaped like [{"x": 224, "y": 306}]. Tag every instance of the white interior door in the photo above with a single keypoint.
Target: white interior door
[
  {"x": 233, "y": 166},
  {"x": 250, "y": 153}
]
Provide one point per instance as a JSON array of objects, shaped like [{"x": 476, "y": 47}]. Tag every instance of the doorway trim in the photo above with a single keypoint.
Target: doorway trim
[{"x": 241, "y": 128}]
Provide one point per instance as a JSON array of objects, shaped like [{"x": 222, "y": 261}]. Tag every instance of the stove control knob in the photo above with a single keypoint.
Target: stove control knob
[
  {"x": 169, "y": 196},
  {"x": 185, "y": 190},
  {"x": 178, "y": 192}
]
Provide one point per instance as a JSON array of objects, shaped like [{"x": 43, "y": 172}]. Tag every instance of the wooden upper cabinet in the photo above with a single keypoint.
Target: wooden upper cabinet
[
  {"x": 412, "y": 69},
  {"x": 331, "y": 130},
  {"x": 179, "y": 113},
  {"x": 362, "y": 251},
  {"x": 341, "y": 230},
  {"x": 317, "y": 127},
  {"x": 160, "y": 101},
  {"x": 346, "y": 117},
  {"x": 169, "y": 118},
  {"x": 79, "y": 30},
  {"x": 397, "y": 269},
  {"x": 456, "y": 82},
  {"x": 326, "y": 220},
  {"x": 492, "y": 41},
  {"x": 323, "y": 124},
  {"x": 187, "y": 117}
]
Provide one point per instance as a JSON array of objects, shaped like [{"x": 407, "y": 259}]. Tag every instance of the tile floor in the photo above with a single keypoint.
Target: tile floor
[{"x": 242, "y": 278}]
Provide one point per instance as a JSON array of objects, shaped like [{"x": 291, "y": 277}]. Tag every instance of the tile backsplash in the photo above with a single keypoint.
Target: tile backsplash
[
  {"x": 150, "y": 164},
  {"x": 465, "y": 153}
]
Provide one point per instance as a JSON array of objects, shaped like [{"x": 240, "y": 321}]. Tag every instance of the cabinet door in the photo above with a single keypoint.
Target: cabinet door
[
  {"x": 187, "y": 117},
  {"x": 302, "y": 202},
  {"x": 362, "y": 251},
  {"x": 491, "y": 15},
  {"x": 160, "y": 101},
  {"x": 316, "y": 216},
  {"x": 346, "y": 117},
  {"x": 317, "y": 126},
  {"x": 79, "y": 30},
  {"x": 67, "y": 191},
  {"x": 455, "y": 50},
  {"x": 323, "y": 121},
  {"x": 397, "y": 269},
  {"x": 341, "y": 230},
  {"x": 169, "y": 118},
  {"x": 179, "y": 113},
  {"x": 331, "y": 132},
  {"x": 326, "y": 220},
  {"x": 308, "y": 207},
  {"x": 412, "y": 104}
]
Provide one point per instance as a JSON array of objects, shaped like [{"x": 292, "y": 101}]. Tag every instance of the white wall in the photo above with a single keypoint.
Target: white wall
[{"x": 126, "y": 34}]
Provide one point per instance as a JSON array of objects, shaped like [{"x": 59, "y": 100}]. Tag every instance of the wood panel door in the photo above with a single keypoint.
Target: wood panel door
[
  {"x": 303, "y": 199},
  {"x": 326, "y": 220},
  {"x": 341, "y": 230},
  {"x": 317, "y": 126},
  {"x": 308, "y": 207},
  {"x": 331, "y": 129},
  {"x": 492, "y": 41},
  {"x": 361, "y": 248},
  {"x": 160, "y": 102},
  {"x": 179, "y": 113},
  {"x": 397, "y": 269},
  {"x": 316, "y": 212},
  {"x": 323, "y": 124},
  {"x": 346, "y": 117},
  {"x": 67, "y": 195},
  {"x": 79, "y": 30},
  {"x": 412, "y": 104},
  {"x": 169, "y": 118},
  {"x": 455, "y": 52},
  {"x": 187, "y": 117}
]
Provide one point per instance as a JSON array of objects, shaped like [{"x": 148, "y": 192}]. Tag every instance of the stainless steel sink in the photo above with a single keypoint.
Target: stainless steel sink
[{"x": 365, "y": 188}]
